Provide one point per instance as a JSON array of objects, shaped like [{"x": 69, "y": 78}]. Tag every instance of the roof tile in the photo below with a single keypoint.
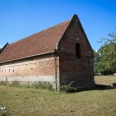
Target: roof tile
[{"x": 39, "y": 43}]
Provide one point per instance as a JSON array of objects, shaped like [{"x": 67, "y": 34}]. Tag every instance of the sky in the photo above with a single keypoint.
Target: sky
[{"x": 22, "y": 18}]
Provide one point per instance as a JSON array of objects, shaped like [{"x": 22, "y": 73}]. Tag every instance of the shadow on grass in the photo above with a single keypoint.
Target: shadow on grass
[{"x": 97, "y": 87}]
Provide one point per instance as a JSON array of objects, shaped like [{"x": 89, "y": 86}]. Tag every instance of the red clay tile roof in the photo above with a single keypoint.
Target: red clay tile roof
[{"x": 39, "y": 43}]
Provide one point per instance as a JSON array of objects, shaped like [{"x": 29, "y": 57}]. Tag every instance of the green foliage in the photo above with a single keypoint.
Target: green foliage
[
  {"x": 111, "y": 39},
  {"x": 68, "y": 87},
  {"x": 42, "y": 85},
  {"x": 38, "y": 85},
  {"x": 2, "y": 83},
  {"x": 96, "y": 56},
  {"x": 15, "y": 84},
  {"x": 105, "y": 57},
  {"x": 4, "y": 114}
]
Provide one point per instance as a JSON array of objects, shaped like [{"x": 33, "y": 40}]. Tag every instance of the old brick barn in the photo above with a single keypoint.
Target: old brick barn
[{"x": 58, "y": 55}]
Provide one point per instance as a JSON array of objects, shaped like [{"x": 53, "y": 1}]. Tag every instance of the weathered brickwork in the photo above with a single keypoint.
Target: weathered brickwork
[
  {"x": 30, "y": 70},
  {"x": 70, "y": 61},
  {"x": 73, "y": 69}
]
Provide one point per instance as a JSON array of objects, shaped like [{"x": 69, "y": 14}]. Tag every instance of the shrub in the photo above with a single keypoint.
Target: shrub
[{"x": 68, "y": 87}]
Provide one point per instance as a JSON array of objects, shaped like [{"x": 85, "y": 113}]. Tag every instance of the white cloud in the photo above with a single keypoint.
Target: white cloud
[{"x": 96, "y": 50}]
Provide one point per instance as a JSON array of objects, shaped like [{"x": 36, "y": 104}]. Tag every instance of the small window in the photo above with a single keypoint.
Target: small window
[{"x": 78, "y": 50}]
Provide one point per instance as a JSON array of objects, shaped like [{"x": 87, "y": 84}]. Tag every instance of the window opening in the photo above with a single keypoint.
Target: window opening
[{"x": 78, "y": 50}]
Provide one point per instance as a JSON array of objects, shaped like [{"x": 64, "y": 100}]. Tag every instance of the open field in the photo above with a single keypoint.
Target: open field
[
  {"x": 105, "y": 79},
  {"x": 37, "y": 102}
]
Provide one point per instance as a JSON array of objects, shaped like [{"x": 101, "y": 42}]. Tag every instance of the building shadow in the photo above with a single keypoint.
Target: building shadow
[
  {"x": 96, "y": 87},
  {"x": 103, "y": 86}
]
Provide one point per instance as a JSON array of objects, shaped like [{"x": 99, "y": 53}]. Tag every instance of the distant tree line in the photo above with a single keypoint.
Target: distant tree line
[{"x": 105, "y": 57}]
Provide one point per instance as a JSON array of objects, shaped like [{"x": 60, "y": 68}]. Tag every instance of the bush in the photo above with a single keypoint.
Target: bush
[{"x": 68, "y": 88}]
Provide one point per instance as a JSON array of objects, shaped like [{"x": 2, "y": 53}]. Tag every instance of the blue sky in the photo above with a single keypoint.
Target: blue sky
[{"x": 21, "y": 18}]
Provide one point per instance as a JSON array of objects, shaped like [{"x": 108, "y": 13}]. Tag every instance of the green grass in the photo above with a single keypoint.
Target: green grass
[{"x": 21, "y": 101}]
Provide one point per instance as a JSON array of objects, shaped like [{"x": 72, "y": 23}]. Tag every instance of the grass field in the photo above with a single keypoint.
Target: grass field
[
  {"x": 105, "y": 79},
  {"x": 37, "y": 102}
]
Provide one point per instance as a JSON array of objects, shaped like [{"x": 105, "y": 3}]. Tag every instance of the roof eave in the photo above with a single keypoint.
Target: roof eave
[{"x": 27, "y": 57}]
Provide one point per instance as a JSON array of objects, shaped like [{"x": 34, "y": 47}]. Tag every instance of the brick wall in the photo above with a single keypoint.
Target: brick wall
[
  {"x": 64, "y": 68},
  {"x": 30, "y": 70},
  {"x": 78, "y": 70}
]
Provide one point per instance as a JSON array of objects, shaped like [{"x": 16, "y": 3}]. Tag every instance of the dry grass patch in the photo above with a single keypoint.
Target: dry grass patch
[
  {"x": 38, "y": 102},
  {"x": 105, "y": 79}
]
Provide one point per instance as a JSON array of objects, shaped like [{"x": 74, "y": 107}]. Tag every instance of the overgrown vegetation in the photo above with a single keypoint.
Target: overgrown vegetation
[
  {"x": 2, "y": 113},
  {"x": 2, "y": 83},
  {"x": 41, "y": 85},
  {"x": 38, "y": 85},
  {"x": 105, "y": 57},
  {"x": 68, "y": 87},
  {"x": 24, "y": 101}
]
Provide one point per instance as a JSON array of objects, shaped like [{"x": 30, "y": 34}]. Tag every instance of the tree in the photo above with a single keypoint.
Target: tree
[
  {"x": 96, "y": 56},
  {"x": 105, "y": 58},
  {"x": 112, "y": 38},
  {"x": 99, "y": 65}
]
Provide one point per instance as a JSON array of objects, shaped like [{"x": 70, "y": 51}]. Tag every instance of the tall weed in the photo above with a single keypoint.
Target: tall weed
[
  {"x": 2, "y": 83},
  {"x": 68, "y": 87}
]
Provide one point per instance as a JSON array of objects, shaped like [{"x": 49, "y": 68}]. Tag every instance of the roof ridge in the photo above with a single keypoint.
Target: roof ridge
[
  {"x": 40, "y": 42},
  {"x": 3, "y": 47}
]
